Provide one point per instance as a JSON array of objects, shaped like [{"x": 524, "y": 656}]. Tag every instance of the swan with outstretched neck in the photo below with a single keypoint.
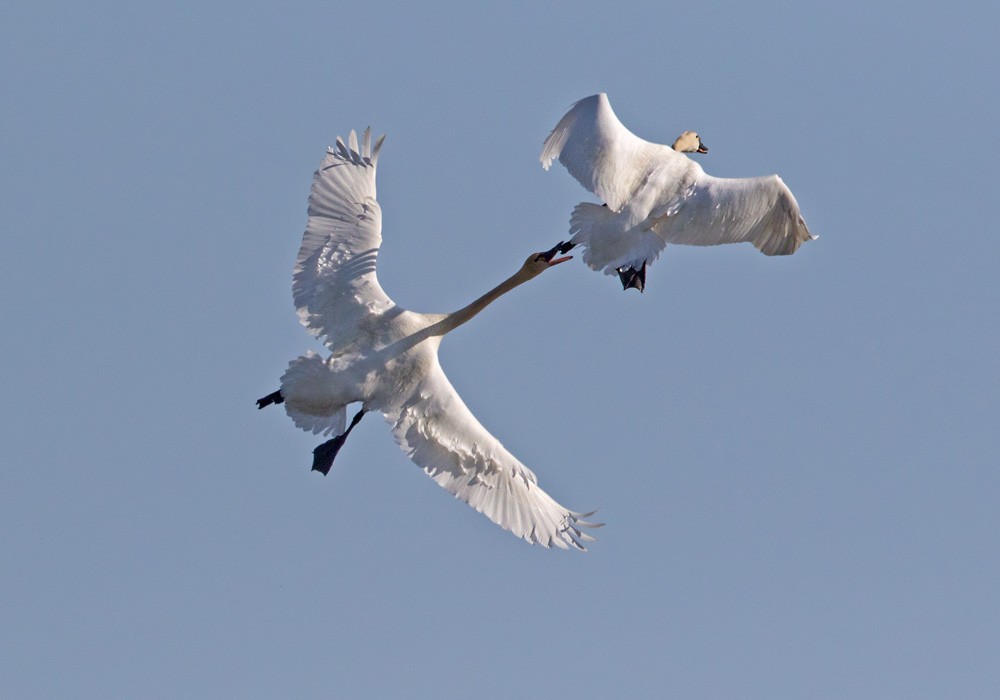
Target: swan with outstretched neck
[{"x": 386, "y": 358}]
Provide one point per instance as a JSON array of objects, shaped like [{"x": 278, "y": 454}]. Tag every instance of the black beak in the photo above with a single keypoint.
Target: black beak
[{"x": 702, "y": 148}]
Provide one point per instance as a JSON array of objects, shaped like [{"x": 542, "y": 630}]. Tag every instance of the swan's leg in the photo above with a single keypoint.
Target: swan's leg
[
  {"x": 631, "y": 277},
  {"x": 562, "y": 247},
  {"x": 274, "y": 397},
  {"x": 324, "y": 455}
]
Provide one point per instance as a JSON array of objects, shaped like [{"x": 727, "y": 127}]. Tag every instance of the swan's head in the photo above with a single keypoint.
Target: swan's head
[
  {"x": 689, "y": 142},
  {"x": 537, "y": 263}
]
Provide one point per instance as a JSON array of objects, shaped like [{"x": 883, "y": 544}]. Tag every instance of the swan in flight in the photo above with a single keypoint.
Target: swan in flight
[
  {"x": 654, "y": 195},
  {"x": 386, "y": 358}
]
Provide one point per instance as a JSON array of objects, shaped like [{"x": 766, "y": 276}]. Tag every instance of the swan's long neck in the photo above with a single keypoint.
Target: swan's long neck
[{"x": 456, "y": 319}]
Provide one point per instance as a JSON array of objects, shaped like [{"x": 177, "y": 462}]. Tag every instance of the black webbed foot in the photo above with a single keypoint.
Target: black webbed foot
[
  {"x": 632, "y": 278},
  {"x": 274, "y": 397},
  {"x": 324, "y": 455}
]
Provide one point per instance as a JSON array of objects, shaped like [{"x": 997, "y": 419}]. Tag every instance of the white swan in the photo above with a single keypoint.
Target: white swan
[
  {"x": 656, "y": 196},
  {"x": 385, "y": 357}
]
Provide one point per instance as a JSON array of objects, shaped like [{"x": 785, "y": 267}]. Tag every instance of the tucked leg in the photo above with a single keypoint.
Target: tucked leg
[{"x": 274, "y": 397}]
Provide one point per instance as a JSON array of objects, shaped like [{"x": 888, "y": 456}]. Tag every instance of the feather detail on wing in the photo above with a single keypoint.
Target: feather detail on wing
[
  {"x": 334, "y": 285},
  {"x": 601, "y": 153},
  {"x": 713, "y": 211},
  {"x": 439, "y": 433}
]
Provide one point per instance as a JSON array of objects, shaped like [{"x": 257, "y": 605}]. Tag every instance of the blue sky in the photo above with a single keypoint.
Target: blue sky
[{"x": 796, "y": 458}]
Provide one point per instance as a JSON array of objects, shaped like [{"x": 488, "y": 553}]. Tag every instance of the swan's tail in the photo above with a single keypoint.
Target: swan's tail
[
  {"x": 609, "y": 242},
  {"x": 305, "y": 388}
]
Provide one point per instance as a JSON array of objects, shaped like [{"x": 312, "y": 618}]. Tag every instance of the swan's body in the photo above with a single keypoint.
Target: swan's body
[
  {"x": 656, "y": 195},
  {"x": 385, "y": 358}
]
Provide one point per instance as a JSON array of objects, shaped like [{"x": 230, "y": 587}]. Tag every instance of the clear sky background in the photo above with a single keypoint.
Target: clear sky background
[{"x": 796, "y": 458}]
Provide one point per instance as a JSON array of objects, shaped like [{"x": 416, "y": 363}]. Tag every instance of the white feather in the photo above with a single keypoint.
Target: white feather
[
  {"x": 658, "y": 196},
  {"x": 386, "y": 358}
]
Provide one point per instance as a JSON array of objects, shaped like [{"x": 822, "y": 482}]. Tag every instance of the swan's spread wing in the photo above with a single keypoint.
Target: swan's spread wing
[
  {"x": 440, "y": 434},
  {"x": 334, "y": 285},
  {"x": 715, "y": 210},
  {"x": 604, "y": 156}
]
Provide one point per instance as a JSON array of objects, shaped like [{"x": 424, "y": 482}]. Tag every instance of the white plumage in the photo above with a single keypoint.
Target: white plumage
[
  {"x": 656, "y": 195},
  {"x": 385, "y": 357}
]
